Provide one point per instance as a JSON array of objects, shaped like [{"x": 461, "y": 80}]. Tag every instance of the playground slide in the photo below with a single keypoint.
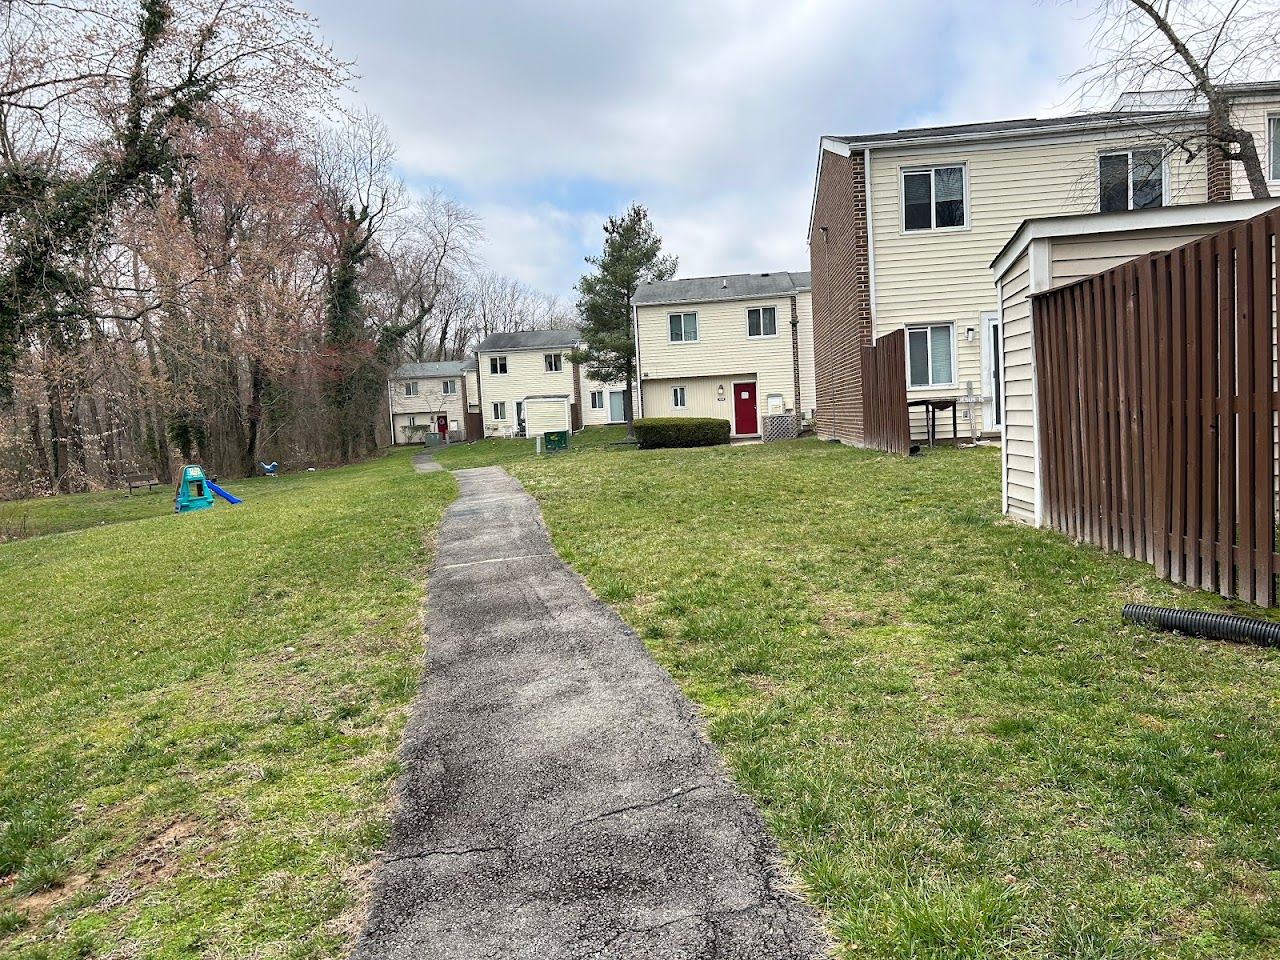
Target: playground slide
[{"x": 222, "y": 493}]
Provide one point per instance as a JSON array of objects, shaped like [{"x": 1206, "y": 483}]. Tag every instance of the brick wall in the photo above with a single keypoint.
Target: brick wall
[
  {"x": 841, "y": 296},
  {"x": 1218, "y": 168}
]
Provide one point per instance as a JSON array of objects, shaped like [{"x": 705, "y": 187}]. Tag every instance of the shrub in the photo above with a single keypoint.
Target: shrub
[{"x": 655, "y": 432}]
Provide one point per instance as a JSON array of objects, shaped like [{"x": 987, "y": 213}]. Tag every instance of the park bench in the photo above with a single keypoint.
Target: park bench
[{"x": 134, "y": 481}]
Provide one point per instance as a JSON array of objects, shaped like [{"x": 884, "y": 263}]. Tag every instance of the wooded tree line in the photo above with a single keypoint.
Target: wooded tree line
[{"x": 191, "y": 267}]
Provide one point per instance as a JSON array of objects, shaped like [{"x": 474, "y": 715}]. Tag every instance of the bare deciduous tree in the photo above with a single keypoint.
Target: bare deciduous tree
[{"x": 1192, "y": 53}]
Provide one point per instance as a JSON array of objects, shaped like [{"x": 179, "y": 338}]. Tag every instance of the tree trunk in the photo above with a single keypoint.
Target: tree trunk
[
  {"x": 37, "y": 446},
  {"x": 58, "y": 439},
  {"x": 628, "y": 413},
  {"x": 249, "y": 460}
]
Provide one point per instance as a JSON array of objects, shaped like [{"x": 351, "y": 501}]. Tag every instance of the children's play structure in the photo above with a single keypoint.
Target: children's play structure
[{"x": 196, "y": 491}]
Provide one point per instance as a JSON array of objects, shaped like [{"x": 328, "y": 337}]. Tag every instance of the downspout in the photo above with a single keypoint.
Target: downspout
[
  {"x": 795, "y": 362},
  {"x": 871, "y": 242}
]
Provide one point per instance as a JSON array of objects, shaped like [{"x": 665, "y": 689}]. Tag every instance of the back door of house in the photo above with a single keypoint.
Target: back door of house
[
  {"x": 617, "y": 413},
  {"x": 745, "y": 420},
  {"x": 442, "y": 424}
]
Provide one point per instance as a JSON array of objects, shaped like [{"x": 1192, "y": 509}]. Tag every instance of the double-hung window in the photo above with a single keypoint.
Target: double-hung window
[
  {"x": 930, "y": 356},
  {"x": 1130, "y": 180},
  {"x": 554, "y": 362},
  {"x": 500, "y": 410},
  {"x": 762, "y": 322},
  {"x": 597, "y": 399},
  {"x": 677, "y": 397},
  {"x": 411, "y": 388},
  {"x": 497, "y": 365},
  {"x": 682, "y": 327},
  {"x": 449, "y": 387},
  {"x": 933, "y": 198},
  {"x": 1273, "y": 147}
]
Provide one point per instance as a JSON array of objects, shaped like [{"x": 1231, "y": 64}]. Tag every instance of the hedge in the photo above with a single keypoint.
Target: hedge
[{"x": 655, "y": 432}]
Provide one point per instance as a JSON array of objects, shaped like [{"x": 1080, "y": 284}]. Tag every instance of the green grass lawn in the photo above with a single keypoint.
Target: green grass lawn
[
  {"x": 33, "y": 518},
  {"x": 959, "y": 745},
  {"x": 962, "y": 750},
  {"x": 491, "y": 452},
  {"x": 201, "y": 711}
]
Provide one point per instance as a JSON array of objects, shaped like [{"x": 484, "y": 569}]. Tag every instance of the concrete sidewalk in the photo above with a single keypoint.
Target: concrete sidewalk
[{"x": 558, "y": 800}]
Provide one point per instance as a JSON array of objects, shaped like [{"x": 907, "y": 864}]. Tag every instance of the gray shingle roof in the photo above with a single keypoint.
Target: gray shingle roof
[
  {"x": 445, "y": 368},
  {"x": 1024, "y": 125},
  {"x": 530, "y": 340},
  {"x": 738, "y": 286}
]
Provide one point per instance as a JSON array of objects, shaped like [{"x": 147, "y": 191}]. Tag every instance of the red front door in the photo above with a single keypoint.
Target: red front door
[
  {"x": 442, "y": 425},
  {"x": 744, "y": 409}
]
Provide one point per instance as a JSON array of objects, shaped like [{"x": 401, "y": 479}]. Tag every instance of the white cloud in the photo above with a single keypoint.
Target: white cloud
[{"x": 709, "y": 112}]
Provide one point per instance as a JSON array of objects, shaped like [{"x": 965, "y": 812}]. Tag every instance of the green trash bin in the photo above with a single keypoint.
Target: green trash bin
[
  {"x": 555, "y": 440},
  {"x": 193, "y": 491}
]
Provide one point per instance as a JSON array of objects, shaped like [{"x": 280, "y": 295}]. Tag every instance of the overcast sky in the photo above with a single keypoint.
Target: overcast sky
[{"x": 546, "y": 116}]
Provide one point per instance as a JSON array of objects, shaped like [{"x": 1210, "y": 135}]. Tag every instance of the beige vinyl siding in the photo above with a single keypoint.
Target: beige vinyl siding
[
  {"x": 702, "y": 397},
  {"x": 1019, "y": 393},
  {"x": 599, "y": 418},
  {"x": 473, "y": 391},
  {"x": 430, "y": 402},
  {"x": 944, "y": 276},
  {"x": 1074, "y": 258},
  {"x": 543, "y": 415},
  {"x": 1251, "y": 114},
  {"x": 526, "y": 376},
  {"x": 723, "y": 350}
]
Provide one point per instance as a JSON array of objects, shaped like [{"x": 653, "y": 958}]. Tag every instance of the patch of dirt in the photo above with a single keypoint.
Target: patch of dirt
[{"x": 42, "y": 901}]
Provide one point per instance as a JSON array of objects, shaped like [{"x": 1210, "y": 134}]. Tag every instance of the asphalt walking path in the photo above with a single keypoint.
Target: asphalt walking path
[{"x": 558, "y": 800}]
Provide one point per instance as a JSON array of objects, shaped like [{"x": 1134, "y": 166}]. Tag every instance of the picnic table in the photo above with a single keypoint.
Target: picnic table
[{"x": 932, "y": 405}]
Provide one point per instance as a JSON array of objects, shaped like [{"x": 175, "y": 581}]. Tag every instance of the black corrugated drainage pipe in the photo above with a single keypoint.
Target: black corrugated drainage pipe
[{"x": 1198, "y": 623}]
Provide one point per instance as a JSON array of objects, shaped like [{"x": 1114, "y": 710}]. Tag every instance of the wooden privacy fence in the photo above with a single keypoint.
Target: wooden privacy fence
[
  {"x": 1157, "y": 399},
  {"x": 886, "y": 423}
]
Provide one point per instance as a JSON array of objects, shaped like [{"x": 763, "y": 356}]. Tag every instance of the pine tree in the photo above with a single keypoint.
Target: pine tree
[{"x": 632, "y": 255}]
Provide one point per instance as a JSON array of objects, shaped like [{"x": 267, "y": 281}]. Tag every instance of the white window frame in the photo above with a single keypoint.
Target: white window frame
[
  {"x": 499, "y": 410},
  {"x": 449, "y": 388},
  {"x": 697, "y": 331},
  {"x": 933, "y": 203},
  {"x": 679, "y": 398},
  {"x": 1273, "y": 147},
  {"x": 762, "y": 335},
  {"x": 498, "y": 366},
  {"x": 951, "y": 332},
  {"x": 411, "y": 388},
  {"x": 597, "y": 399},
  {"x": 553, "y": 362},
  {"x": 1129, "y": 152},
  {"x": 413, "y": 421}
]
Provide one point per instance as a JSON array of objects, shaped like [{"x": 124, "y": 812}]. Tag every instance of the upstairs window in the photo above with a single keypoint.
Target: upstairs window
[
  {"x": 682, "y": 327},
  {"x": 929, "y": 356},
  {"x": 597, "y": 399},
  {"x": 553, "y": 362},
  {"x": 497, "y": 365},
  {"x": 449, "y": 387},
  {"x": 933, "y": 198},
  {"x": 411, "y": 388},
  {"x": 1130, "y": 180},
  {"x": 677, "y": 397},
  {"x": 1273, "y": 147},
  {"x": 762, "y": 322}
]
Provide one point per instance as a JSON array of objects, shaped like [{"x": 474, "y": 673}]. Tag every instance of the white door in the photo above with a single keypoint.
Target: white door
[
  {"x": 992, "y": 371},
  {"x": 617, "y": 406}
]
